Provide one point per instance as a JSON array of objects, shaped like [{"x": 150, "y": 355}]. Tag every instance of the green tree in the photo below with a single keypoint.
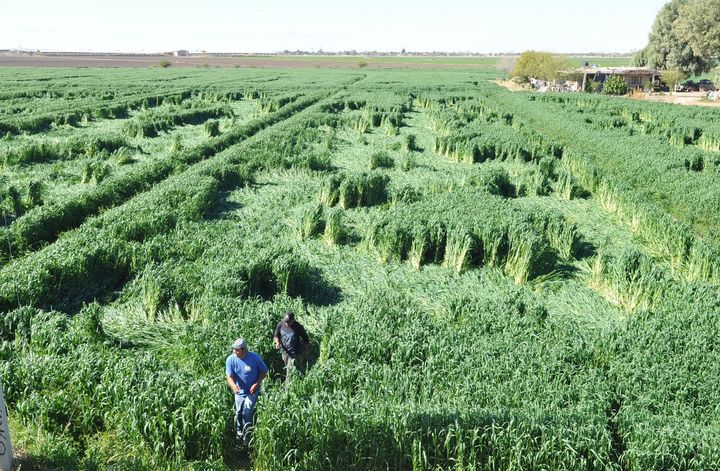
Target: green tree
[
  {"x": 541, "y": 65},
  {"x": 679, "y": 29},
  {"x": 672, "y": 77},
  {"x": 698, "y": 25}
]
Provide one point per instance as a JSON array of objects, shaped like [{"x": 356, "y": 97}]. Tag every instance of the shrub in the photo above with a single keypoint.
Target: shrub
[
  {"x": 615, "y": 85},
  {"x": 165, "y": 64},
  {"x": 672, "y": 77}
]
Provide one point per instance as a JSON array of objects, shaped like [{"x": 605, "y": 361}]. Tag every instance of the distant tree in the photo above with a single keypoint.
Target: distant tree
[
  {"x": 541, "y": 65},
  {"x": 685, "y": 36}
]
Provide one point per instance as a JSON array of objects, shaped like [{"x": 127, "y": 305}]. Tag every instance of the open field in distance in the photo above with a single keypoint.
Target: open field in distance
[{"x": 274, "y": 61}]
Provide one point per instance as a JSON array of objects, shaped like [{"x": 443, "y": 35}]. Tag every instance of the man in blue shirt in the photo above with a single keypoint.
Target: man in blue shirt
[{"x": 245, "y": 372}]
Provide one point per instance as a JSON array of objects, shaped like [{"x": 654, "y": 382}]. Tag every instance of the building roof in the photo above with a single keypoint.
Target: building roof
[{"x": 618, "y": 70}]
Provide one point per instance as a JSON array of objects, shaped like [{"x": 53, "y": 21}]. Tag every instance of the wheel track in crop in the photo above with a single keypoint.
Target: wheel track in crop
[{"x": 617, "y": 442}]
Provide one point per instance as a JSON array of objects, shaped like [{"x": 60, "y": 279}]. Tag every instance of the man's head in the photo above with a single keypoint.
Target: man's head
[
  {"x": 239, "y": 348},
  {"x": 289, "y": 317}
]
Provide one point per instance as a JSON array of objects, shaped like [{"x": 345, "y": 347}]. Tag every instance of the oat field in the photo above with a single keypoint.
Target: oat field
[{"x": 490, "y": 280}]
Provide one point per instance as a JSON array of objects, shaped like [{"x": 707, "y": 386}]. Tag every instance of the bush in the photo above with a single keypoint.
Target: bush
[
  {"x": 165, "y": 64},
  {"x": 615, "y": 85}
]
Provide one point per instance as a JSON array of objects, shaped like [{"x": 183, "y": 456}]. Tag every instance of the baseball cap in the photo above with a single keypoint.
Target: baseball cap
[{"x": 239, "y": 344}]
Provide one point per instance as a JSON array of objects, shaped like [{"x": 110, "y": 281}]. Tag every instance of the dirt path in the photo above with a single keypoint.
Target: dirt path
[{"x": 681, "y": 98}]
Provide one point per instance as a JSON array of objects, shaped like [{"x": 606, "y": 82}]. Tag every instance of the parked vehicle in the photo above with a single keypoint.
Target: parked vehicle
[
  {"x": 706, "y": 85},
  {"x": 687, "y": 86}
]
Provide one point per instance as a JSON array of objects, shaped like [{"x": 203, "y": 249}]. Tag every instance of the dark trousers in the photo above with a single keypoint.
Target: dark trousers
[{"x": 292, "y": 363}]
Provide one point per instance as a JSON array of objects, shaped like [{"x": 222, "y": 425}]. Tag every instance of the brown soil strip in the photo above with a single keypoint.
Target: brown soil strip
[{"x": 211, "y": 61}]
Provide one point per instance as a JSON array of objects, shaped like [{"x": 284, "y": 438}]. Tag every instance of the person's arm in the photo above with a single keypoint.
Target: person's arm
[
  {"x": 256, "y": 386},
  {"x": 228, "y": 375},
  {"x": 232, "y": 384},
  {"x": 276, "y": 337},
  {"x": 262, "y": 372}
]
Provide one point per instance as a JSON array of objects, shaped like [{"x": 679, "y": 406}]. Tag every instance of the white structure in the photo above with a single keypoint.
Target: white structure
[{"x": 6, "y": 454}]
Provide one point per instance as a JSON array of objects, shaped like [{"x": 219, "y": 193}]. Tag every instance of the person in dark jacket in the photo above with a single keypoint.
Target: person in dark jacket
[{"x": 291, "y": 339}]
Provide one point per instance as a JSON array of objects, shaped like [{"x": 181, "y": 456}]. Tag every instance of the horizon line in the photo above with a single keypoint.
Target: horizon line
[{"x": 350, "y": 52}]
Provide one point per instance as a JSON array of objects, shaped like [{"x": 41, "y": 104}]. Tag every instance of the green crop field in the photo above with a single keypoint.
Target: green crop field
[{"x": 490, "y": 280}]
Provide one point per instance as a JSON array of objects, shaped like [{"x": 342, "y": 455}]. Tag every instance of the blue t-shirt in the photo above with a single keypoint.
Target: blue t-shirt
[{"x": 244, "y": 371}]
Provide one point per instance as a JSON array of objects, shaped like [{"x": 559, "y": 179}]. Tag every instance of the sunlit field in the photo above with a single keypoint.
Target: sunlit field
[{"x": 490, "y": 280}]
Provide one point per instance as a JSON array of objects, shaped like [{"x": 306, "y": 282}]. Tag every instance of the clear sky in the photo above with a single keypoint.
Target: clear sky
[{"x": 330, "y": 25}]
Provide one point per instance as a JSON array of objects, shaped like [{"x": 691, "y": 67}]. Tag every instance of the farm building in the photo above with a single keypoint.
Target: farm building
[
  {"x": 181, "y": 53},
  {"x": 636, "y": 77}
]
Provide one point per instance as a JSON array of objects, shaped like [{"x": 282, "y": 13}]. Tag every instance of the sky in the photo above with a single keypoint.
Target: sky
[{"x": 482, "y": 26}]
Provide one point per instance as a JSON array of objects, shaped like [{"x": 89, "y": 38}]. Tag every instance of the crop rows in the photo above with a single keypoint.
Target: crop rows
[
  {"x": 488, "y": 279},
  {"x": 43, "y": 224}
]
